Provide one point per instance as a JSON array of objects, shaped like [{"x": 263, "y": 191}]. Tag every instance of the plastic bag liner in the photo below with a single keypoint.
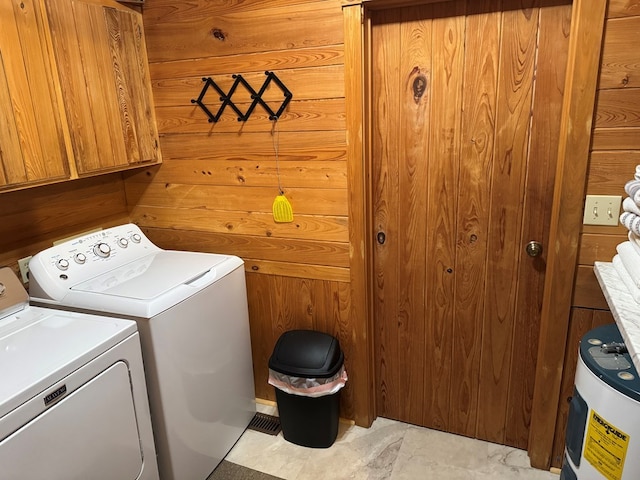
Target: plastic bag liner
[{"x": 308, "y": 387}]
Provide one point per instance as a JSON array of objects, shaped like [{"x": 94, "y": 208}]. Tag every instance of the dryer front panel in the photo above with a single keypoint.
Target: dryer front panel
[{"x": 90, "y": 433}]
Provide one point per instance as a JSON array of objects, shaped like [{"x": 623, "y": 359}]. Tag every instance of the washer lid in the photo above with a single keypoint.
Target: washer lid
[
  {"x": 40, "y": 346},
  {"x": 152, "y": 275}
]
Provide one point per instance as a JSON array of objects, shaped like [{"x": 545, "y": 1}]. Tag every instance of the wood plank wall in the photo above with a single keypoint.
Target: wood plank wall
[
  {"x": 615, "y": 152},
  {"x": 615, "y": 149},
  {"x": 31, "y": 219},
  {"x": 215, "y": 189}
]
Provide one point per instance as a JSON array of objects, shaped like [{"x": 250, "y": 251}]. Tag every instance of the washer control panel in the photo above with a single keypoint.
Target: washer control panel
[{"x": 89, "y": 255}]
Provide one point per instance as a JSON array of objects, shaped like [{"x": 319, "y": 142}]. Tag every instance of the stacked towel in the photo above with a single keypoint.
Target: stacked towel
[
  {"x": 631, "y": 261},
  {"x": 627, "y": 264},
  {"x": 631, "y": 221},
  {"x": 626, "y": 278},
  {"x": 628, "y": 205},
  {"x": 632, "y": 187},
  {"x": 627, "y": 261},
  {"x": 634, "y": 240},
  {"x": 630, "y": 218}
]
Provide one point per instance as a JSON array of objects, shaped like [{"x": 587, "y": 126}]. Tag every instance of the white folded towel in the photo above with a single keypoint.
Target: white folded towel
[
  {"x": 628, "y": 205},
  {"x": 634, "y": 240},
  {"x": 626, "y": 279},
  {"x": 631, "y": 221},
  {"x": 630, "y": 260},
  {"x": 632, "y": 187}
]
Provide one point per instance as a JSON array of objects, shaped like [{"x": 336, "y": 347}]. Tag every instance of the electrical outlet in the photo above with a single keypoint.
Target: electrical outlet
[
  {"x": 23, "y": 263},
  {"x": 602, "y": 210}
]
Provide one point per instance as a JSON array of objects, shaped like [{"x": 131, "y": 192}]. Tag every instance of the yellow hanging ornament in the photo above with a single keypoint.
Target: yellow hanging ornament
[{"x": 282, "y": 211}]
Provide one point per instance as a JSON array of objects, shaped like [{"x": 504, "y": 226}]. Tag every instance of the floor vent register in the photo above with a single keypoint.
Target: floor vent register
[{"x": 264, "y": 423}]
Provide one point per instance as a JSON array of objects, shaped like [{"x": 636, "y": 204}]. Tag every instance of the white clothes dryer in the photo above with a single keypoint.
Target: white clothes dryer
[
  {"x": 73, "y": 400},
  {"x": 192, "y": 315}
]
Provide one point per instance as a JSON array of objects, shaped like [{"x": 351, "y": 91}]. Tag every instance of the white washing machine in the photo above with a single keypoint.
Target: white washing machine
[
  {"x": 192, "y": 315},
  {"x": 73, "y": 400}
]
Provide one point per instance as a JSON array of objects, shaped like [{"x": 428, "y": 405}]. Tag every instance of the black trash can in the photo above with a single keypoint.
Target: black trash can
[{"x": 304, "y": 367}]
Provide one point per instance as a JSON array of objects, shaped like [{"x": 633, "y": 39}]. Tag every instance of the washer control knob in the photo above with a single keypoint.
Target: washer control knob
[
  {"x": 123, "y": 242},
  {"x": 136, "y": 238},
  {"x": 62, "y": 264},
  {"x": 80, "y": 258},
  {"x": 102, "y": 250}
]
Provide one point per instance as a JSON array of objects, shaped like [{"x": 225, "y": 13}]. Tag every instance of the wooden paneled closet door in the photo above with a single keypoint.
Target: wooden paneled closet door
[{"x": 467, "y": 97}]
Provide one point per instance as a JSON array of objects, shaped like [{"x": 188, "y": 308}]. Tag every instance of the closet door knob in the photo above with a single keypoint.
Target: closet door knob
[
  {"x": 534, "y": 248},
  {"x": 381, "y": 237}
]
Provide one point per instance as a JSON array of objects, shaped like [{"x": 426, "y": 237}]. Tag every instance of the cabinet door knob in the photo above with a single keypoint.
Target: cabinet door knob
[{"x": 381, "y": 237}]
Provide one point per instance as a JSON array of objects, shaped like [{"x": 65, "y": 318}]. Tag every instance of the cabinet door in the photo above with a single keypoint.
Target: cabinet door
[
  {"x": 104, "y": 76},
  {"x": 32, "y": 147}
]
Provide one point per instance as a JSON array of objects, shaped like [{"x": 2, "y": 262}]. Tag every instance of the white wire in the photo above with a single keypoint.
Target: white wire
[{"x": 275, "y": 134}]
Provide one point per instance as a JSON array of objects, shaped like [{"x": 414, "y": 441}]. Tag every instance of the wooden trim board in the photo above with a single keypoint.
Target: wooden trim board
[
  {"x": 361, "y": 321},
  {"x": 587, "y": 25}
]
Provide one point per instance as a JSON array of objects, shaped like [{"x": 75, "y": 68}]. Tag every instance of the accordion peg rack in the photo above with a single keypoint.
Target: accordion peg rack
[{"x": 256, "y": 97}]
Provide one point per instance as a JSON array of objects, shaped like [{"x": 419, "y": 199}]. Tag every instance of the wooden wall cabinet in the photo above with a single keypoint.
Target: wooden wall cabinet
[
  {"x": 75, "y": 91},
  {"x": 104, "y": 75},
  {"x": 32, "y": 145}
]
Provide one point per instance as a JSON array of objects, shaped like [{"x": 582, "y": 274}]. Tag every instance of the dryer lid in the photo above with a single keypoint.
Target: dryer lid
[
  {"x": 151, "y": 276},
  {"x": 40, "y": 346}
]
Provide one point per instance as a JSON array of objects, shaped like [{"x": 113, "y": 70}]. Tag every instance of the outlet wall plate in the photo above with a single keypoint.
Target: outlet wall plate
[
  {"x": 602, "y": 210},
  {"x": 23, "y": 264}
]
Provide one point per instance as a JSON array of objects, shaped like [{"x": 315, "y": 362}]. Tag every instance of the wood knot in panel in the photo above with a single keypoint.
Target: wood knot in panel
[
  {"x": 218, "y": 34},
  {"x": 419, "y": 87}
]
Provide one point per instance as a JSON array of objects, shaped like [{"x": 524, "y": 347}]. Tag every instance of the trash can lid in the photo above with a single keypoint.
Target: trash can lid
[{"x": 306, "y": 353}]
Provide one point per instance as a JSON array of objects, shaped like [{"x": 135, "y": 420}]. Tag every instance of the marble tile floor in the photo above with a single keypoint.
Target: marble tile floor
[{"x": 388, "y": 450}]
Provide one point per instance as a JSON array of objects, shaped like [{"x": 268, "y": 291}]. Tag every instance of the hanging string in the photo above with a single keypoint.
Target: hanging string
[
  {"x": 275, "y": 135},
  {"x": 281, "y": 208}
]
